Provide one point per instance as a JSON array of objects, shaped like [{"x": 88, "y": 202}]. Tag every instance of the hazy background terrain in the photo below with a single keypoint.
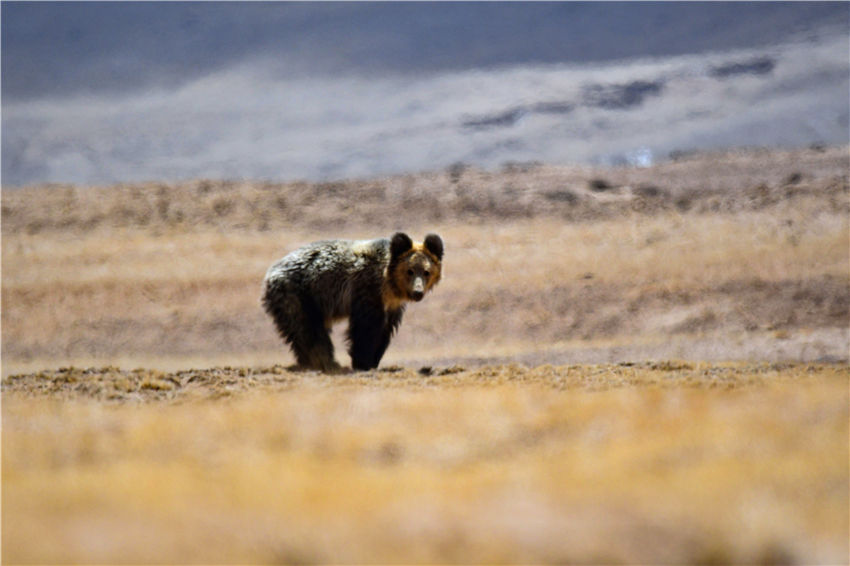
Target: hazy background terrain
[{"x": 108, "y": 92}]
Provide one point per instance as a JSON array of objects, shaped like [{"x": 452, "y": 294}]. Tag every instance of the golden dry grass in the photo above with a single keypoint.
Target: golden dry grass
[
  {"x": 645, "y": 463},
  {"x": 509, "y": 287}
]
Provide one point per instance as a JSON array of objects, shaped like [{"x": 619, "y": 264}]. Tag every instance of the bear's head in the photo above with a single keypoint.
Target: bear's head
[{"x": 414, "y": 268}]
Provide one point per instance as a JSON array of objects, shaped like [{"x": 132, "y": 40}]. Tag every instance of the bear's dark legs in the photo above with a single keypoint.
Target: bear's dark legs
[
  {"x": 318, "y": 355},
  {"x": 369, "y": 332},
  {"x": 393, "y": 319},
  {"x": 367, "y": 336},
  {"x": 310, "y": 340},
  {"x": 301, "y": 323}
]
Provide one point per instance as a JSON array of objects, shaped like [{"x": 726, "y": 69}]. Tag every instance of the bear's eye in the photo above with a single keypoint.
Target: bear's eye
[
  {"x": 410, "y": 272},
  {"x": 427, "y": 274}
]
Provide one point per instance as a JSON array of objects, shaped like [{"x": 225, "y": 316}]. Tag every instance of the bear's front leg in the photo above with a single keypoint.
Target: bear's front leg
[
  {"x": 393, "y": 319},
  {"x": 366, "y": 329}
]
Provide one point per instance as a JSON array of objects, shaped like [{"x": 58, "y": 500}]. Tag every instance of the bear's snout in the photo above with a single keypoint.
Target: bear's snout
[{"x": 418, "y": 289}]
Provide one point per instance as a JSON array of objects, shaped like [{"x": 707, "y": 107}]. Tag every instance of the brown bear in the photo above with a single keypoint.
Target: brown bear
[{"x": 366, "y": 281}]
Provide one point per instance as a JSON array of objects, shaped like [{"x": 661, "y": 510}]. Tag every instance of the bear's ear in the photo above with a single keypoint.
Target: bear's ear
[
  {"x": 399, "y": 244},
  {"x": 434, "y": 244}
]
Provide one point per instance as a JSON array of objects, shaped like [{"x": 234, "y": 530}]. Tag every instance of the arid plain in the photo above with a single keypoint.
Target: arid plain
[{"x": 639, "y": 365}]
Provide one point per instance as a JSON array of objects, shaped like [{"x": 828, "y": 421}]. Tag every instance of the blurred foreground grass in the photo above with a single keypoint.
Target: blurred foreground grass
[{"x": 670, "y": 462}]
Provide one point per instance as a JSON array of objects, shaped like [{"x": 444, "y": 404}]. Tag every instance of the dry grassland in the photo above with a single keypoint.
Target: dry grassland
[
  {"x": 647, "y": 463},
  {"x": 525, "y": 412}
]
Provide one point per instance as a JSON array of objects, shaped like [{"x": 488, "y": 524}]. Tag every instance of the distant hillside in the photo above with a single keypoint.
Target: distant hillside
[
  {"x": 56, "y": 49},
  {"x": 97, "y": 93},
  {"x": 729, "y": 182}
]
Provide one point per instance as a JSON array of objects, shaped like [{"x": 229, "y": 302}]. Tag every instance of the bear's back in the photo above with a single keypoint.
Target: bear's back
[
  {"x": 340, "y": 258},
  {"x": 333, "y": 272}
]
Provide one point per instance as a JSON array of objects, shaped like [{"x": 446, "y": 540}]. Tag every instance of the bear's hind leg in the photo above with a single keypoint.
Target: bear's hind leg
[
  {"x": 311, "y": 341},
  {"x": 318, "y": 355},
  {"x": 301, "y": 324}
]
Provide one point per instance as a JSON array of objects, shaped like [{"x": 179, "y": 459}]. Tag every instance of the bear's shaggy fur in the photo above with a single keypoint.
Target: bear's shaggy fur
[{"x": 367, "y": 281}]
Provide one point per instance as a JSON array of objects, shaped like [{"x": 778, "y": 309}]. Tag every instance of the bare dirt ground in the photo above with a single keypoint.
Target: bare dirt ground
[{"x": 528, "y": 410}]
